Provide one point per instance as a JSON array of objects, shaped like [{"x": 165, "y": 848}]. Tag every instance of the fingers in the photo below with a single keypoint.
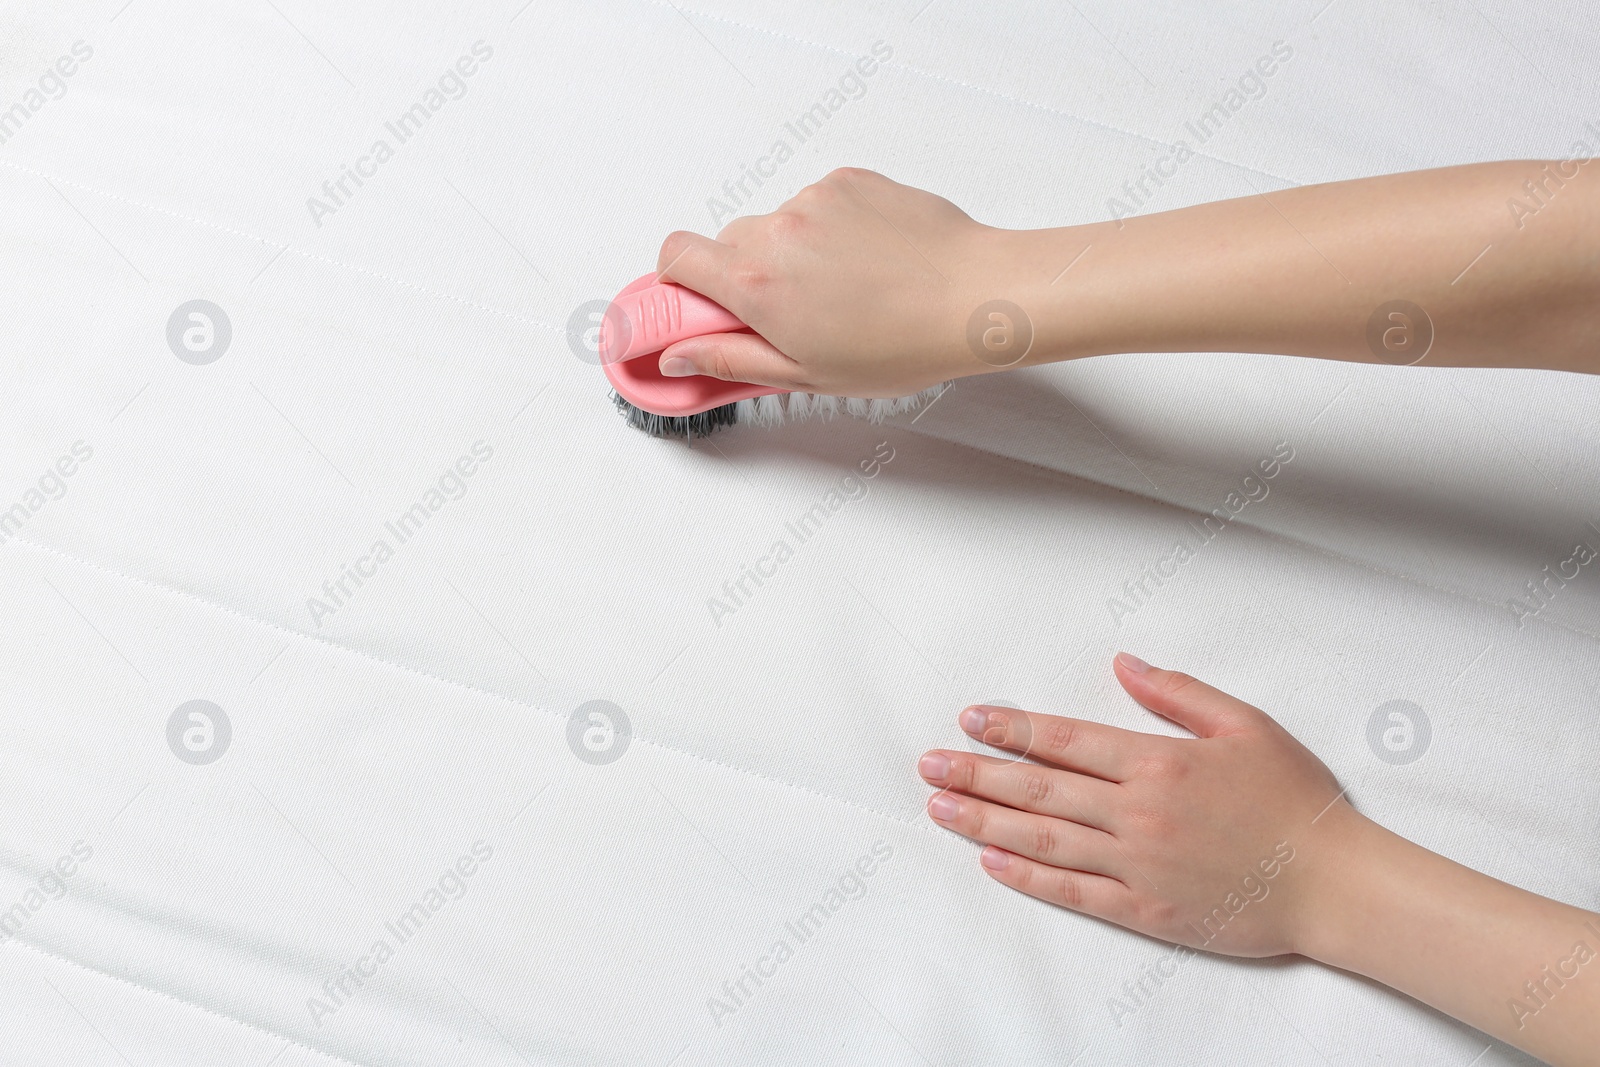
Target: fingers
[
  {"x": 733, "y": 357},
  {"x": 697, "y": 262},
  {"x": 1091, "y": 894},
  {"x": 1049, "y": 840},
  {"x": 1193, "y": 705},
  {"x": 1086, "y": 747},
  {"x": 1024, "y": 786}
]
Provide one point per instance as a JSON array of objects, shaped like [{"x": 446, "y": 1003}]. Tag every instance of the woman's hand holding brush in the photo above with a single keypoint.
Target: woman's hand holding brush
[{"x": 861, "y": 286}]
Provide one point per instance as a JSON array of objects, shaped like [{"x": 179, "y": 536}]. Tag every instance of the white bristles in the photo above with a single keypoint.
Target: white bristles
[
  {"x": 769, "y": 410},
  {"x": 824, "y": 407},
  {"x": 794, "y": 407},
  {"x": 878, "y": 410}
]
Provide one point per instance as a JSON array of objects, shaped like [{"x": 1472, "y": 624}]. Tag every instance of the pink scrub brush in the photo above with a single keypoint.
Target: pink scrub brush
[{"x": 647, "y": 316}]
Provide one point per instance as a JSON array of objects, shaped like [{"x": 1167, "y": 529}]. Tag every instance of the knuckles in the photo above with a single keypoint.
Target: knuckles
[
  {"x": 1155, "y": 915},
  {"x": 1059, "y": 735},
  {"x": 848, "y": 174},
  {"x": 837, "y": 182},
  {"x": 750, "y": 278},
  {"x": 1046, "y": 841},
  {"x": 1068, "y": 890},
  {"x": 1036, "y": 788},
  {"x": 1176, "y": 682},
  {"x": 963, "y": 774},
  {"x": 1151, "y": 823},
  {"x": 786, "y": 225},
  {"x": 717, "y": 366},
  {"x": 1162, "y": 767}
]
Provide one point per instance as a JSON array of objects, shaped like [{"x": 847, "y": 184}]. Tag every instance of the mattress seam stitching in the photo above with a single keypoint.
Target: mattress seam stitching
[
  {"x": 456, "y": 683},
  {"x": 336, "y": 1057},
  {"x": 1499, "y": 610},
  {"x": 932, "y": 76},
  {"x": 400, "y": 282}
]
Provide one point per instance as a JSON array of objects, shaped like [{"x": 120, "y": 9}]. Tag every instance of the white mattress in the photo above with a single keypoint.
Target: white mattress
[{"x": 377, "y": 742}]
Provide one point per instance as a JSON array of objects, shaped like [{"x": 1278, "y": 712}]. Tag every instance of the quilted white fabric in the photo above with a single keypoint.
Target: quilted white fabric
[{"x": 366, "y": 505}]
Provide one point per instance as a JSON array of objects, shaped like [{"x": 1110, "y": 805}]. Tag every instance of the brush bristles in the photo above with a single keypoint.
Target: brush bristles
[
  {"x": 772, "y": 410},
  {"x": 779, "y": 408},
  {"x": 676, "y": 426}
]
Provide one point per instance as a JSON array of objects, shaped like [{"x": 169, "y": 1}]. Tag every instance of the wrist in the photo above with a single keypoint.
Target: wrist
[
  {"x": 1352, "y": 867},
  {"x": 1081, "y": 291},
  {"x": 1494, "y": 956}
]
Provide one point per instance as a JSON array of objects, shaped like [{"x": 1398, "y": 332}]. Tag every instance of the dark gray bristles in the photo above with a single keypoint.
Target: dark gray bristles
[{"x": 677, "y": 426}]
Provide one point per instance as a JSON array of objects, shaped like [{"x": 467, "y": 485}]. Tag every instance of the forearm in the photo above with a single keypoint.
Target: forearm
[
  {"x": 1302, "y": 271},
  {"x": 1518, "y": 966}
]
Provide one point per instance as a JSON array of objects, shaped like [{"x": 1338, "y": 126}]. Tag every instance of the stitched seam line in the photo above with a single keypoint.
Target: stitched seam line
[
  {"x": 947, "y": 79},
  {"x": 401, "y": 282},
  {"x": 25, "y": 943},
  {"x": 174, "y": 590},
  {"x": 1309, "y": 546}
]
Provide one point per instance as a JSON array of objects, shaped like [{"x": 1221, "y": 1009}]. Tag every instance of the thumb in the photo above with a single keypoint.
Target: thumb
[
  {"x": 1192, "y": 704},
  {"x": 732, "y": 357}
]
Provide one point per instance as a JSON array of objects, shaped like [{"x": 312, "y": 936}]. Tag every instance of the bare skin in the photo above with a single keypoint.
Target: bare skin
[
  {"x": 1240, "y": 841},
  {"x": 861, "y": 286}
]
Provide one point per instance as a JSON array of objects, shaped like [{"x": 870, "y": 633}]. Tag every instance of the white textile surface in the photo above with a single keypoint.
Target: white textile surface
[{"x": 390, "y": 761}]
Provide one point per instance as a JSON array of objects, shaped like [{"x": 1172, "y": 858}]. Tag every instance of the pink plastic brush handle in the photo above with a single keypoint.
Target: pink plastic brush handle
[
  {"x": 655, "y": 315},
  {"x": 644, "y": 319}
]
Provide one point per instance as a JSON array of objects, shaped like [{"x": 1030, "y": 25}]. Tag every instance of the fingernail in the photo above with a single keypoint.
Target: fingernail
[
  {"x": 1132, "y": 662},
  {"x": 934, "y": 766},
  {"x": 995, "y": 859},
  {"x": 677, "y": 367},
  {"x": 943, "y": 807},
  {"x": 974, "y": 721}
]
